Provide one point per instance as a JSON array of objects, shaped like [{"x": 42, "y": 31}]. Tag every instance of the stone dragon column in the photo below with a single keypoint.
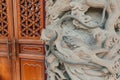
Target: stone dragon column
[{"x": 82, "y": 39}]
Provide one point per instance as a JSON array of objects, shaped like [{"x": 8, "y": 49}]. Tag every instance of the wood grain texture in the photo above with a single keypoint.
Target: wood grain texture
[
  {"x": 31, "y": 49},
  {"x": 5, "y": 69},
  {"x": 32, "y": 70}
]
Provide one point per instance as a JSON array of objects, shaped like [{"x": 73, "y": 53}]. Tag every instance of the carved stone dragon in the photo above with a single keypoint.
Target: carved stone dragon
[{"x": 81, "y": 44}]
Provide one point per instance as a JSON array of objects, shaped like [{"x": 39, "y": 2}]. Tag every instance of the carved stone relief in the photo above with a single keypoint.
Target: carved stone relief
[{"x": 82, "y": 39}]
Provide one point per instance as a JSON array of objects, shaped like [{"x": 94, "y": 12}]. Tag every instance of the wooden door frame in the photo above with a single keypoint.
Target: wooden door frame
[{"x": 11, "y": 17}]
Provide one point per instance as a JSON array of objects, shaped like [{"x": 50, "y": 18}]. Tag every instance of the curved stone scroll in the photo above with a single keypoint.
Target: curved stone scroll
[{"x": 82, "y": 40}]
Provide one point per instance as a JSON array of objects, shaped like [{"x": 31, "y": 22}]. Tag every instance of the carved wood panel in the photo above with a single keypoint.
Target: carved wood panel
[
  {"x": 32, "y": 70},
  {"x": 32, "y": 49},
  {"x": 3, "y": 19},
  {"x": 29, "y": 21},
  {"x": 30, "y": 15}
]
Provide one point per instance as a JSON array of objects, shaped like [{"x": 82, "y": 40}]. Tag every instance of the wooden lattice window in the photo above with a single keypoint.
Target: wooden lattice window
[
  {"x": 31, "y": 20},
  {"x": 3, "y": 19}
]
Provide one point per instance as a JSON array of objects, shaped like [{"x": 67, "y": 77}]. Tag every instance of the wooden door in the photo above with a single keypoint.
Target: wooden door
[
  {"x": 21, "y": 50},
  {"x": 6, "y": 35},
  {"x": 29, "y": 21}
]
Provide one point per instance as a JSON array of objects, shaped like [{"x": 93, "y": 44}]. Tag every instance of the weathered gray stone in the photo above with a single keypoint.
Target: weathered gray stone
[{"x": 82, "y": 39}]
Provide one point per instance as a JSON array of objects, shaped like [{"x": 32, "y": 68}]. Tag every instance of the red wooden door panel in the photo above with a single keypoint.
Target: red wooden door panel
[
  {"x": 6, "y": 35},
  {"x": 5, "y": 72},
  {"x": 28, "y": 23},
  {"x": 21, "y": 50},
  {"x": 32, "y": 70}
]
